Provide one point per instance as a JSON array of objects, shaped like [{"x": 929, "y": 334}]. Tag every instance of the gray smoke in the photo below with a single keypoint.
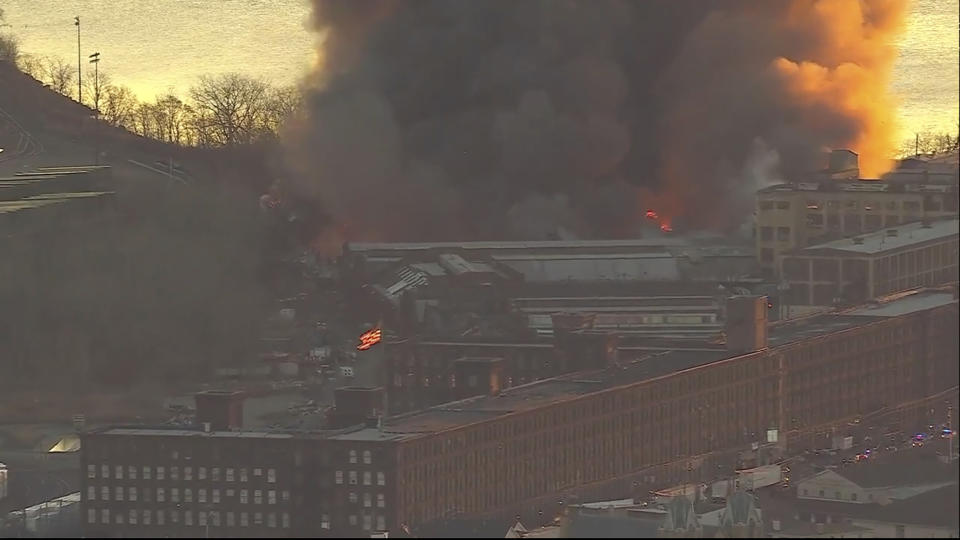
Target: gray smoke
[{"x": 461, "y": 119}]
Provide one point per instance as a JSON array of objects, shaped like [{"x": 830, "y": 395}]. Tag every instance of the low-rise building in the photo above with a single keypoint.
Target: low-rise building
[{"x": 854, "y": 270}]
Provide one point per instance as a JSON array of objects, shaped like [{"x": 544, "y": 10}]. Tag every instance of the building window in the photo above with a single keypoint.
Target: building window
[
  {"x": 202, "y": 495},
  {"x": 146, "y": 494},
  {"x": 105, "y": 516},
  {"x": 161, "y": 495},
  {"x": 132, "y": 472},
  {"x": 901, "y": 531},
  {"x": 215, "y": 474},
  {"x": 188, "y": 518},
  {"x": 367, "y": 522},
  {"x": 352, "y": 520},
  {"x": 381, "y": 479},
  {"x": 257, "y": 518},
  {"x": 132, "y": 517},
  {"x": 118, "y": 493},
  {"x": 271, "y": 520},
  {"x": 381, "y": 523},
  {"x": 325, "y": 521},
  {"x": 271, "y": 476},
  {"x": 118, "y": 518},
  {"x": 836, "y": 494},
  {"x": 243, "y": 519},
  {"x": 258, "y": 472},
  {"x": 271, "y": 497},
  {"x": 215, "y": 518},
  {"x": 201, "y": 473},
  {"x": 91, "y": 471},
  {"x": 229, "y": 474},
  {"x": 821, "y": 493},
  {"x": 243, "y": 496},
  {"x": 367, "y": 500},
  {"x": 91, "y": 515},
  {"x": 175, "y": 495},
  {"x": 353, "y": 478},
  {"x": 229, "y": 493},
  {"x": 160, "y": 517},
  {"x": 766, "y": 205},
  {"x": 257, "y": 496},
  {"x": 285, "y": 495},
  {"x": 104, "y": 493},
  {"x": 367, "y": 478},
  {"x": 853, "y": 496},
  {"x": 783, "y": 234},
  {"x": 352, "y": 497},
  {"x": 175, "y": 473},
  {"x": 285, "y": 520},
  {"x": 230, "y": 519},
  {"x": 132, "y": 494},
  {"x": 147, "y": 514},
  {"x": 201, "y": 519},
  {"x": 215, "y": 496},
  {"x": 187, "y": 495},
  {"x": 188, "y": 473},
  {"x": 161, "y": 473},
  {"x": 146, "y": 476},
  {"x": 104, "y": 471},
  {"x": 783, "y": 205},
  {"x": 353, "y": 456},
  {"x": 91, "y": 493},
  {"x": 243, "y": 474},
  {"x": 338, "y": 477},
  {"x": 381, "y": 501}
]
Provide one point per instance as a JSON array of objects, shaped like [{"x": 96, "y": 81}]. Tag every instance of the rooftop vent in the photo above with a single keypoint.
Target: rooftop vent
[
  {"x": 892, "y": 232},
  {"x": 858, "y": 240}
]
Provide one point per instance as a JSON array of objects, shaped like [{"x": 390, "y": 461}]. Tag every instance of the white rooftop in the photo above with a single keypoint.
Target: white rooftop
[
  {"x": 152, "y": 432},
  {"x": 884, "y": 240}
]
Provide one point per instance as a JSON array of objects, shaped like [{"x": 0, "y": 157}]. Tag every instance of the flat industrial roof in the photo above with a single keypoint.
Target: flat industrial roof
[
  {"x": 159, "y": 432},
  {"x": 881, "y": 241},
  {"x": 914, "y": 301}
]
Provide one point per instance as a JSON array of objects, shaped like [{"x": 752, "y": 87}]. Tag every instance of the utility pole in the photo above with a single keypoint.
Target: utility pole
[
  {"x": 95, "y": 60},
  {"x": 76, "y": 22}
]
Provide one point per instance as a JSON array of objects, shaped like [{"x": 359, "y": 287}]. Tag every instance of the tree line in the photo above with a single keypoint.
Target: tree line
[{"x": 220, "y": 110}]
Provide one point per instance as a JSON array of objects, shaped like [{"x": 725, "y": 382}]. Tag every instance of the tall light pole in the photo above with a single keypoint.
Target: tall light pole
[
  {"x": 95, "y": 60},
  {"x": 76, "y": 22}
]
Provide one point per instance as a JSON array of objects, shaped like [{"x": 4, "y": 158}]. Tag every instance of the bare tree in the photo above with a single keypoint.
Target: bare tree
[
  {"x": 171, "y": 119},
  {"x": 119, "y": 106},
  {"x": 94, "y": 85},
  {"x": 143, "y": 120},
  {"x": 230, "y": 109},
  {"x": 60, "y": 76},
  {"x": 929, "y": 143},
  {"x": 282, "y": 104},
  {"x": 9, "y": 48},
  {"x": 33, "y": 66}
]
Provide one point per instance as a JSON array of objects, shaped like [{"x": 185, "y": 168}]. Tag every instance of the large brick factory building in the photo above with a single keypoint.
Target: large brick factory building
[{"x": 611, "y": 428}]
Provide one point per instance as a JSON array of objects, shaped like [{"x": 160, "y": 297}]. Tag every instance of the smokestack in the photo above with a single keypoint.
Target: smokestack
[
  {"x": 219, "y": 410},
  {"x": 746, "y": 324}
]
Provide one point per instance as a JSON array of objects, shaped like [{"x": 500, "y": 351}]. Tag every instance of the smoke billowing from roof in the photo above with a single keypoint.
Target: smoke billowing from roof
[{"x": 460, "y": 119}]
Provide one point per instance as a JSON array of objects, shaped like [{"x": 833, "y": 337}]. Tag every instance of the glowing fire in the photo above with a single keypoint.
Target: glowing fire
[
  {"x": 369, "y": 339},
  {"x": 652, "y": 215},
  {"x": 665, "y": 227}
]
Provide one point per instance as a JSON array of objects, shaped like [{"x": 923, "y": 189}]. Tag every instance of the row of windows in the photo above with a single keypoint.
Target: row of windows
[
  {"x": 203, "y": 519},
  {"x": 146, "y": 494},
  {"x": 354, "y": 498},
  {"x": 230, "y": 474},
  {"x": 367, "y": 457},
  {"x": 353, "y": 478},
  {"x": 366, "y": 520}
]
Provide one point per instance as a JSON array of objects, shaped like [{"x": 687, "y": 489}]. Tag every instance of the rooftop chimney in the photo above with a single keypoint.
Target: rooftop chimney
[
  {"x": 220, "y": 410},
  {"x": 746, "y": 324}
]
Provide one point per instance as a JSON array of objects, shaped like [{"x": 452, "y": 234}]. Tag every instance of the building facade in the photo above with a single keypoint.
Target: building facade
[
  {"x": 607, "y": 430},
  {"x": 919, "y": 254},
  {"x": 796, "y": 215}
]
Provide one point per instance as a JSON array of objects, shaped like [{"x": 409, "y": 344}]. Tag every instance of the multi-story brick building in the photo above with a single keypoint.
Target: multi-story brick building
[
  {"x": 608, "y": 430},
  {"x": 796, "y": 215},
  {"x": 857, "y": 269}
]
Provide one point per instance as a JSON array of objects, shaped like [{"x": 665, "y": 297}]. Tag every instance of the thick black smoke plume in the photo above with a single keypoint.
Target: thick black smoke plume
[{"x": 464, "y": 119}]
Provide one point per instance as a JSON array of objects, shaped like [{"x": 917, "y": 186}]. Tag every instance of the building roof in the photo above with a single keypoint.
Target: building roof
[
  {"x": 937, "y": 508},
  {"x": 897, "y": 472},
  {"x": 890, "y": 239},
  {"x": 179, "y": 432},
  {"x": 908, "y": 303},
  {"x": 588, "y": 525}
]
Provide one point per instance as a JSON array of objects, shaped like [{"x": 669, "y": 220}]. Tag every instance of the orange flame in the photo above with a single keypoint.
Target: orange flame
[
  {"x": 652, "y": 215},
  {"x": 369, "y": 339}
]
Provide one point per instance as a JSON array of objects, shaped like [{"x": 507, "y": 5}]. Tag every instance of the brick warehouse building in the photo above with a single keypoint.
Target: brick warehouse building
[{"x": 601, "y": 431}]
